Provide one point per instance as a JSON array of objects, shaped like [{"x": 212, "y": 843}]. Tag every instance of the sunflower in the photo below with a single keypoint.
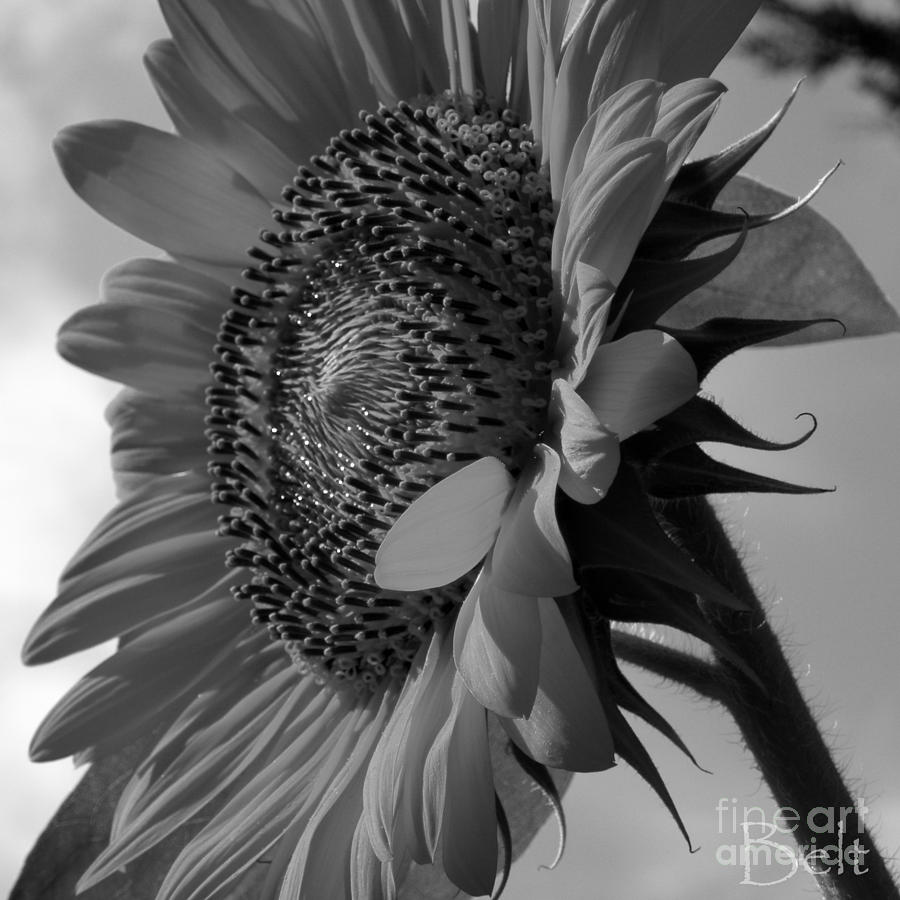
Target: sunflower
[{"x": 386, "y": 477}]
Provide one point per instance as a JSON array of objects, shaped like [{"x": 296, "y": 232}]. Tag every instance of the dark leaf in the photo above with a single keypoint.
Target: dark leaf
[
  {"x": 798, "y": 267},
  {"x": 79, "y": 832}
]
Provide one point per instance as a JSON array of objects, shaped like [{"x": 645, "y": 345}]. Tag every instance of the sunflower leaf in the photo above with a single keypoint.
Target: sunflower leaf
[
  {"x": 80, "y": 831},
  {"x": 797, "y": 267}
]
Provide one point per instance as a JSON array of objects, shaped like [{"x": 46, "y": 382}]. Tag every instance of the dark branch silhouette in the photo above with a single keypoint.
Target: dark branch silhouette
[{"x": 816, "y": 39}]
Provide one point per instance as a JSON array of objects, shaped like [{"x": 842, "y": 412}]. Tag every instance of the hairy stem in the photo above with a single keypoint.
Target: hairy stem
[
  {"x": 676, "y": 665},
  {"x": 776, "y": 723}
]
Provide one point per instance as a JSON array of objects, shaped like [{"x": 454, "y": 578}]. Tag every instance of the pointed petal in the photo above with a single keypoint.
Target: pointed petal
[
  {"x": 698, "y": 34},
  {"x": 163, "y": 189},
  {"x": 447, "y": 531},
  {"x": 589, "y": 453},
  {"x": 567, "y": 728},
  {"x": 496, "y": 646},
  {"x": 701, "y": 180},
  {"x": 826, "y": 277},
  {"x": 634, "y": 540},
  {"x": 656, "y": 286},
  {"x": 635, "y": 380},
  {"x": 530, "y": 555}
]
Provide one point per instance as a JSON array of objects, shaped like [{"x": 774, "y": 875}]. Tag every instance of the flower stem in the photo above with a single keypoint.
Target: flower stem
[
  {"x": 776, "y": 723},
  {"x": 676, "y": 665}
]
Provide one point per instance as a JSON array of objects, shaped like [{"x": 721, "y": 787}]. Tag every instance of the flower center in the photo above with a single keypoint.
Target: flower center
[{"x": 403, "y": 330}]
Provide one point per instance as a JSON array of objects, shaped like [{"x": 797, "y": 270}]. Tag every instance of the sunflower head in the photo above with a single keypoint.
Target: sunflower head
[{"x": 386, "y": 481}]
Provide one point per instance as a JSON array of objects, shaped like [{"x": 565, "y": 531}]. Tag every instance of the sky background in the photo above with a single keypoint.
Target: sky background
[{"x": 828, "y": 564}]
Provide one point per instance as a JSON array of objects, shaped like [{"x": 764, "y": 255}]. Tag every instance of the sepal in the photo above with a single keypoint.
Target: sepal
[
  {"x": 800, "y": 268},
  {"x": 700, "y": 182},
  {"x": 631, "y": 597},
  {"x": 701, "y": 419},
  {"x": 545, "y": 784},
  {"x": 506, "y": 849},
  {"x": 654, "y": 286},
  {"x": 627, "y": 697},
  {"x": 627, "y": 744},
  {"x": 622, "y": 532},
  {"x": 679, "y": 228},
  {"x": 689, "y": 472},
  {"x": 711, "y": 341}
]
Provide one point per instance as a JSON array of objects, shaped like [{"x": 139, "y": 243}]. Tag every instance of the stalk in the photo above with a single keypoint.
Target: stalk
[{"x": 776, "y": 723}]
